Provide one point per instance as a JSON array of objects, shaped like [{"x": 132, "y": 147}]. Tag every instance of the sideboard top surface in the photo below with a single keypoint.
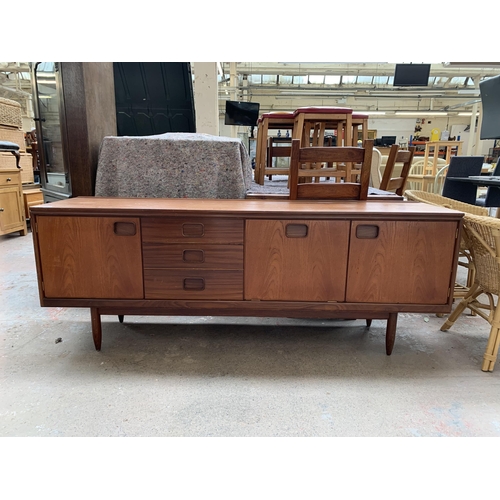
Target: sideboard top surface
[{"x": 151, "y": 207}]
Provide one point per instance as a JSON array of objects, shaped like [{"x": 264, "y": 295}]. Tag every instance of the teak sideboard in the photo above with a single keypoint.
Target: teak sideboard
[{"x": 264, "y": 258}]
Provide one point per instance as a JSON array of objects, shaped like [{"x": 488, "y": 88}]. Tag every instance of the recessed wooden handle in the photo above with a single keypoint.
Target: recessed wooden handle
[
  {"x": 124, "y": 228},
  {"x": 194, "y": 284},
  {"x": 193, "y": 256},
  {"x": 296, "y": 230},
  {"x": 193, "y": 230},
  {"x": 367, "y": 232}
]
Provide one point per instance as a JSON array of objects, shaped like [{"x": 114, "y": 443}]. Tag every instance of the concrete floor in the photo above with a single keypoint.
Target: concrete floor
[{"x": 208, "y": 376}]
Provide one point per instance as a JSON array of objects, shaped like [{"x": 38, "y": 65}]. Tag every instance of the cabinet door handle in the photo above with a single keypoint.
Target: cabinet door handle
[
  {"x": 194, "y": 284},
  {"x": 193, "y": 256},
  {"x": 124, "y": 228},
  {"x": 193, "y": 230},
  {"x": 1, "y": 209},
  {"x": 296, "y": 230},
  {"x": 367, "y": 232}
]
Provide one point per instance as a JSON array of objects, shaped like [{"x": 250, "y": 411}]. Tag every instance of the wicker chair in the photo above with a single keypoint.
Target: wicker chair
[
  {"x": 483, "y": 233},
  {"x": 436, "y": 199}
]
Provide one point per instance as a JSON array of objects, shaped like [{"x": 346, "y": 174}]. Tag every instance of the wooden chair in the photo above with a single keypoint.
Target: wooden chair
[
  {"x": 465, "y": 247},
  {"x": 396, "y": 155},
  {"x": 484, "y": 235},
  {"x": 329, "y": 190}
]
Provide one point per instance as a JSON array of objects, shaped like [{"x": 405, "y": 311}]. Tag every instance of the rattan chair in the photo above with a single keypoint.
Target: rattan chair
[
  {"x": 483, "y": 233},
  {"x": 436, "y": 199}
]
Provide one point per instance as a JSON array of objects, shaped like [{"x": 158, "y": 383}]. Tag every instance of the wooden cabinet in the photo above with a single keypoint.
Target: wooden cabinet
[
  {"x": 400, "y": 262},
  {"x": 74, "y": 107},
  {"x": 193, "y": 258},
  {"x": 296, "y": 260},
  {"x": 11, "y": 203},
  {"x": 246, "y": 258},
  {"x": 90, "y": 257},
  {"x": 31, "y": 197}
]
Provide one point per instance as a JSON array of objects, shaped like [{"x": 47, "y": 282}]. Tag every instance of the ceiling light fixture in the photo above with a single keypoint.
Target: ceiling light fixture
[{"x": 422, "y": 113}]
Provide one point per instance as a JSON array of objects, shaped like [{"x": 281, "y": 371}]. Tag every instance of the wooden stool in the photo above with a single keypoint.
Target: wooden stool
[
  {"x": 269, "y": 121},
  {"x": 359, "y": 120}
]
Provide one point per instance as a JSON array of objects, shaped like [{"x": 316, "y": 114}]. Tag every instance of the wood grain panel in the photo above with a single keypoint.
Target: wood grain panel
[
  {"x": 407, "y": 263},
  {"x": 82, "y": 257},
  {"x": 186, "y": 284},
  {"x": 312, "y": 268},
  {"x": 187, "y": 255},
  {"x": 192, "y": 230}
]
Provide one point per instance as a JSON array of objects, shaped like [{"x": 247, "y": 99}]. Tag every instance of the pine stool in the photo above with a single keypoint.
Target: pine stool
[{"x": 279, "y": 120}]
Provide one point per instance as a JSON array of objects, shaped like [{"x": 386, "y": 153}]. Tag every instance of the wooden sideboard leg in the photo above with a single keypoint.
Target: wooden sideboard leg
[
  {"x": 390, "y": 332},
  {"x": 120, "y": 318},
  {"x": 96, "y": 327},
  {"x": 368, "y": 323}
]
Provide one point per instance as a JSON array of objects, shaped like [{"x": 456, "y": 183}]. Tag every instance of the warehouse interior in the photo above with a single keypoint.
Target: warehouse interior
[{"x": 245, "y": 377}]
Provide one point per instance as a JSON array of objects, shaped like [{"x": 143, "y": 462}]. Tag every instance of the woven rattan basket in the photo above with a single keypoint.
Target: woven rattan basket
[{"x": 10, "y": 113}]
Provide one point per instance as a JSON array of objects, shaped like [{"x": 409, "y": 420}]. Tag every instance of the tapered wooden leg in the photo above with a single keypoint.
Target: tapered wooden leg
[
  {"x": 390, "y": 332},
  {"x": 96, "y": 327},
  {"x": 368, "y": 323},
  {"x": 120, "y": 318}
]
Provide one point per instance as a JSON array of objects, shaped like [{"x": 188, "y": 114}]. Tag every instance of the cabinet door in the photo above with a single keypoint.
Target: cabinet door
[
  {"x": 11, "y": 213},
  {"x": 298, "y": 260},
  {"x": 90, "y": 257},
  {"x": 401, "y": 262}
]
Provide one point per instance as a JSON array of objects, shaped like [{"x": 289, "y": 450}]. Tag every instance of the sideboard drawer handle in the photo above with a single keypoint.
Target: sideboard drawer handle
[
  {"x": 193, "y": 230},
  {"x": 296, "y": 230},
  {"x": 367, "y": 232},
  {"x": 8, "y": 179},
  {"x": 194, "y": 284},
  {"x": 193, "y": 256},
  {"x": 125, "y": 228}
]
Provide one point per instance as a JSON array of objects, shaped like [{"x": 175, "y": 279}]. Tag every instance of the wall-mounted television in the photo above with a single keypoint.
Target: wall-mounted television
[
  {"x": 490, "y": 99},
  {"x": 242, "y": 113},
  {"x": 412, "y": 75}
]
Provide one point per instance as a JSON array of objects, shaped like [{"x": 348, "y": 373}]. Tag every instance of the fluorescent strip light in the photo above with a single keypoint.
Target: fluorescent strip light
[{"x": 422, "y": 113}]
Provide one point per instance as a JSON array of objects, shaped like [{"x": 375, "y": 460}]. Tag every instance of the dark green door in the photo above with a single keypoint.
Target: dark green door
[{"x": 154, "y": 98}]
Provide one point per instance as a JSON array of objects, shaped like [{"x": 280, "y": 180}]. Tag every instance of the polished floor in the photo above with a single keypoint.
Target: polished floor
[{"x": 209, "y": 376}]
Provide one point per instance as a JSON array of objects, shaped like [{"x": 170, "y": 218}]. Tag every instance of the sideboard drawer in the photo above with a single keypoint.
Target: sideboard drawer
[
  {"x": 193, "y": 284},
  {"x": 192, "y": 230},
  {"x": 189, "y": 255}
]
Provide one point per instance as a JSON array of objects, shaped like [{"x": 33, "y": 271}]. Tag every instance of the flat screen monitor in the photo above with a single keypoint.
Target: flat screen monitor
[
  {"x": 412, "y": 75},
  {"x": 490, "y": 99},
  {"x": 388, "y": 140},
  {"x": 241, "y": 113}
]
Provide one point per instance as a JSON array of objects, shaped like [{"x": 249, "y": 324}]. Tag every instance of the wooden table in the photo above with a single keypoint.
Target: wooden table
[{"x": 267, "y": 258}]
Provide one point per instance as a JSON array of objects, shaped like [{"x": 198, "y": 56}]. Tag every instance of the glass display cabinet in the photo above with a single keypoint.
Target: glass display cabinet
[
  {"x": 50, "y": 126},
  {"x": 74, "y": 108}
]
